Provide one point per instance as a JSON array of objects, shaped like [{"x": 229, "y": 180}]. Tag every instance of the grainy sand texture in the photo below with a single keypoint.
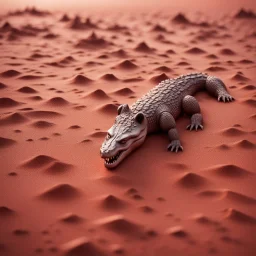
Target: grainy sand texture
[{"x": 62, "y": 76}]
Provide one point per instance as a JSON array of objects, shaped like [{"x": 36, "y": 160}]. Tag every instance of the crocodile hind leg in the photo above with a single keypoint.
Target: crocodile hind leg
[
  {"x": 218, "y": 89},
  {"x": 191, "y": 107},
  {"x": 167, "y": 123}
]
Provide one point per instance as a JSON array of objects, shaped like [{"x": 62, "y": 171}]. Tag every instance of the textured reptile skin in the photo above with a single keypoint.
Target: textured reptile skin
[{"x": 160, "y": 107}]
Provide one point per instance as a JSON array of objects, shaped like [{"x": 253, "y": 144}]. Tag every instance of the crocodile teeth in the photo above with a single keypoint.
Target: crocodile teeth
[{"x": 113, "y": 159}]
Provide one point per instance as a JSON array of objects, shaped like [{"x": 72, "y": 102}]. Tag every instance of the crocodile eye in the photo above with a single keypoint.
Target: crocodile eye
[
  {"x": 108, "y": 136},
  {"x": 123, "y": 141}
]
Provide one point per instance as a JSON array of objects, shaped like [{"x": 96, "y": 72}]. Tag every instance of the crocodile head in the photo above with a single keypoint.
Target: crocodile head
[{"x": 128, "y": 132}]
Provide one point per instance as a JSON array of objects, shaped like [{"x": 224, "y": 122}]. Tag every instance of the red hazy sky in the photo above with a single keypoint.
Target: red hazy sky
[{"x": 214, "y": 6}]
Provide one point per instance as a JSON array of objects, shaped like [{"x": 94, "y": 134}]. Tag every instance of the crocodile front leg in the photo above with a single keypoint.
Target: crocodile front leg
[
  {"x": 191, "y": 107},
  {"x": 167, "y": 123},
  {"x": 218, "y": 89}
]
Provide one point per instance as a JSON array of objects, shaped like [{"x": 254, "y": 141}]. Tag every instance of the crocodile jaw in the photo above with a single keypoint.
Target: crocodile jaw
[{"x": 113, "y": 161}]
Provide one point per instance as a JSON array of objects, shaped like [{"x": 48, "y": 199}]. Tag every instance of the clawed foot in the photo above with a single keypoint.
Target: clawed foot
[
  {"x": 194, "y": 126},
  {"x": 175, "y": 146},
  {"x": 196, "y": 122},
  {"x": 225, "y": 97}
]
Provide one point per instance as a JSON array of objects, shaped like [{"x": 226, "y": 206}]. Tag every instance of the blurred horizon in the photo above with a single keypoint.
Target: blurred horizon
[{"x": 212, "y": 7}]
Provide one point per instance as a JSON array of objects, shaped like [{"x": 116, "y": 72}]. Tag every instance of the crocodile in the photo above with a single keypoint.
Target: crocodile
[{"x": 157, "y": 111}]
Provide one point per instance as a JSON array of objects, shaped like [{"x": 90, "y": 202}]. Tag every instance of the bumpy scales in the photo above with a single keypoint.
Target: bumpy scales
[{"x": 157, "y": 110}]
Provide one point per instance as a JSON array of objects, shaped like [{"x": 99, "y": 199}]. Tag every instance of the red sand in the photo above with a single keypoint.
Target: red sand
[{"x": 60, "y": 85}]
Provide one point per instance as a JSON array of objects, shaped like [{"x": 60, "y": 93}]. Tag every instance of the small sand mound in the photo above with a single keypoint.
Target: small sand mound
[
  {"x": 147, "y": 209},
  {"x": 30, "y": 77},
  {"x": 10, "y": 73},
  {"x": 6, "y": 212},
  {"x": 78, "y": 23},
  {"x": 74, "y": 127},
  {"x": 238, "y": 197},
  {"x": 246, "y": 144},
  {"x": 126, "y": 65},
  {"x": 181, "y": 19},
  {"x": 80, "y": 247},
  {"x": 36, "y": 98},
  {"x": 58, "y": 167},
  {"x": 81, "y": 80},
  {"x": 239, "y": 77},
  {"x": 202, "y": 219},
  {"x": 3, "y": 86},
  {"x": 182, "y": 63},
  {"x": 109, "y": 77},
  {"x": 13, "y": 119},
  {"x": 71, "y": 218},
  {"x": 110, "y": 109},
  {"x": 42, "y": 124},
  {"x": 195, "y": 50},
  {"x": 98, "y": 94},
  {"x": 227, "y": 51},
  {"x": 60, "y": 192},
  {"x": 133, "y": 80},
  {"x": 43, "y": 114},
  {"x": 177, "y": 231},
  {"x": 119, "y": 53},
  {"x": 111, "y": 202},
  {"x": 238, "y": 216},
  {"x": 232, "y": 131},
  {"x": 211, "y": 56},
  {"x": 143, "y": 47},
  {"x": 38, "y": 161},
  {"x": 159, "y": 78},
  {"x": 124, "y": 92},
  {"x": 215, "y": 69},
  {"x": 191, "y": 180},
  {"x": 250, "y": 102},
  {"x": 93, "y": 42},
  {"x": 27, "y": 89},
  {"x": 20, "y": 232},
  {"x": 213, "y": 194},
  {"x": 249, "y": 87},
  {"x": 229, "y": 171},
  {"x": 98, "y": 134},
  {"x": 64, "y": 18},
  {"x": 159, "y": 28},
  {"x": 68, "y": 59},
  {"x": 57, "y": 102},
  {"x": 245, "y": 61},
  {"x": 163, "y": 69},
  {"x": 120, "y": 225},
  {"x": 245, "y": 14},
  {"x": 8, "y": 102},
  {"x": 5, "y": 142}
]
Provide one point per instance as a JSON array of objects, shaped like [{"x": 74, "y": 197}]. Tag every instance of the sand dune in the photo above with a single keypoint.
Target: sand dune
[
  {"x": 71, "y": 218},
  {"x": 13, "y": 119},
  {"x": 6, "y": 212},
  {"x": 238, "y": 216},
  {"x": 119, "y": 224},
  {"x": 191, "y": 180},
  {"x": 38, "y": 161},
  {"x": 81, "y": 246},
  {"x": 126, "y": 65},
  {"x": 5, "y": 142},
  {"x": 8, "y": 102},
  {"x": 60, "y": 192},
  {"x": 229, "y": 171},
  {"x": 111, "y": 202},
  {"x": 177, "y": 231}
]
